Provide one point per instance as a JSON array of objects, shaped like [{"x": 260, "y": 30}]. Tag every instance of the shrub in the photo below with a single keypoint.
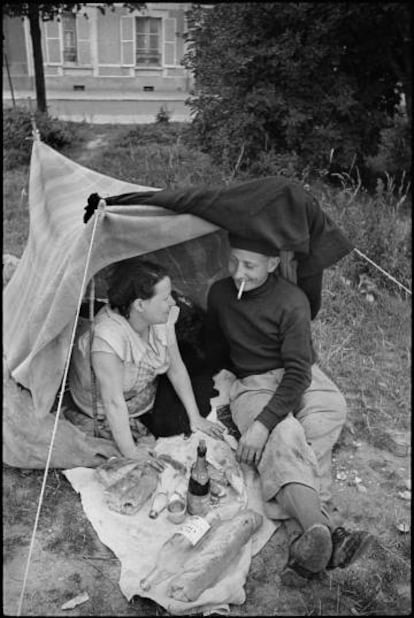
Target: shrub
[
  {"x": 14, "y": 158},
  {"x": 394, "y": 150},
  {"x": 17, "y": 135},
  {"x": 163, "y": 115},
  {"x": 161, "y": 133},
  {"x": 270, "y": 82},
  {"x": 272, "y": 163}
]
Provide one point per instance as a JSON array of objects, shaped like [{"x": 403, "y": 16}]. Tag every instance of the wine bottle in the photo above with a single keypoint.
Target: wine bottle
[{"x": 198, "y": 494}]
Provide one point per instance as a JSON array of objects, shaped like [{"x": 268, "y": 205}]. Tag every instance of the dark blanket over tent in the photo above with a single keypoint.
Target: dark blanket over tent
[{"x": 273, "y": 209}]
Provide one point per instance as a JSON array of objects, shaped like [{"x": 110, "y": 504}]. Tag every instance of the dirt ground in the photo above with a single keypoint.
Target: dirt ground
[{"x": 68, "y": 558}]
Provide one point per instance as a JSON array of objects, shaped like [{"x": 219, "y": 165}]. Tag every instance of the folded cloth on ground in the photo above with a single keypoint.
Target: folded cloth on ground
[{"x": 136, "y": 539}]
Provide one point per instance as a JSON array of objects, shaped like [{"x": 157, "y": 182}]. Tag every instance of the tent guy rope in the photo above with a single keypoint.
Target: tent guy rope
[
  {"x": 384, "y": 272},
  {"x": 98, "y": 214}
]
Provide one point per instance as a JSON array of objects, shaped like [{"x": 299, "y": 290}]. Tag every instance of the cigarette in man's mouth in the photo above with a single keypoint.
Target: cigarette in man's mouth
[{"x": 241, "y": 288}]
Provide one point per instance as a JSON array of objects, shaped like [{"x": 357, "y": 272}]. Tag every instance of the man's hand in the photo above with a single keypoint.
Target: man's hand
[{"x": 252, "y": 443}]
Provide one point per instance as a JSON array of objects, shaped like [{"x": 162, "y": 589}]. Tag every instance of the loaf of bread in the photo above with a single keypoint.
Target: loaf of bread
[{"x": 210, "y": 557}]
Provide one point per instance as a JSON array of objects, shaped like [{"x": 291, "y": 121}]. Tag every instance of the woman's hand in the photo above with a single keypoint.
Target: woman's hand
[
  {"x": 144, "y": 455},
  {"x": 215, "y": 430}
]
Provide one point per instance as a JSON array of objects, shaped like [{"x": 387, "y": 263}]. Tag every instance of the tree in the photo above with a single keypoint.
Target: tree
[
  {"x": 34, "y": 12},
  {"x": 302, "y": 79}
]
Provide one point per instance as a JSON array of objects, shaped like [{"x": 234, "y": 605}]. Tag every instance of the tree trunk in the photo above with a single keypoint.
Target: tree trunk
[{"x": 37, "y": 57}]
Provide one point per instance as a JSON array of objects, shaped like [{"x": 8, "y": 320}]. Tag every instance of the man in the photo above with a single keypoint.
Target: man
[{"x": 289, "y": 413}]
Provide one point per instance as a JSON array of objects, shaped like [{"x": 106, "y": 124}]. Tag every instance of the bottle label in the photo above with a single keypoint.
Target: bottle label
[
  {"x": 194, "y": 528},
  {"x": 198, "y": 505},
  {"x": 197, "y": 488}
]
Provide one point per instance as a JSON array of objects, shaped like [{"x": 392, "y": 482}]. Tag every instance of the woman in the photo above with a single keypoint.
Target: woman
[{"x": 134, "y": 342}]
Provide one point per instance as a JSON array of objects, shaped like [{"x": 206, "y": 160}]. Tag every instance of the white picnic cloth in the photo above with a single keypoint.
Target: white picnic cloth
[{"x": 136, "y": 539}]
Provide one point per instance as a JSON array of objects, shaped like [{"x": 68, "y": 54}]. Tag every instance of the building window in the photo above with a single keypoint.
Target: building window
[
  {"x": 148, "y": 43},
  {"x": 69, "y": 37}
]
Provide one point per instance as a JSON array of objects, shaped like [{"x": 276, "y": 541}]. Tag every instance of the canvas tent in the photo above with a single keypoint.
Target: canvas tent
[{"x": 185, "y": 228}]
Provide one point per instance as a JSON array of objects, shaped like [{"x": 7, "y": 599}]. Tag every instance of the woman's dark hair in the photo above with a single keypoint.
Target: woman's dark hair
[{"x": 132, "y": 279}]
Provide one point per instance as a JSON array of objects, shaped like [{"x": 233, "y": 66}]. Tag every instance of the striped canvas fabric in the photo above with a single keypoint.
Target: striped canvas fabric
[{"x": 40, "y": 301}]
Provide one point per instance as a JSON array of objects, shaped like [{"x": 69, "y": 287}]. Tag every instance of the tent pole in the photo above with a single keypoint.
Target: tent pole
[
  {"x": 93, "y": 377},
  {"x": 100, "y": 210}
]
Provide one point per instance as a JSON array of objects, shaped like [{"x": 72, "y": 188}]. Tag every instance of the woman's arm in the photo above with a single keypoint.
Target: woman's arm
[
  {"x": 178, "y": 375},
  {"x": 109, "y": 377}
]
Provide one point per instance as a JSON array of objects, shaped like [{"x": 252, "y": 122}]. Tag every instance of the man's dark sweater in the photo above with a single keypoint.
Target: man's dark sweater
[{"x": 268, "y": 328}]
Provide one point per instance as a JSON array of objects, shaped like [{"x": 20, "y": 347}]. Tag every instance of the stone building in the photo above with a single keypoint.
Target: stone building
[{"x": 119, "y": 50}]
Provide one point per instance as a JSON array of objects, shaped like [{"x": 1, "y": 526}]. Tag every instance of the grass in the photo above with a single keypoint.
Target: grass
[
  {"x": 372, "y": 584},
  {"x": 379, "y": 224},
  {"x": 365, "y": 347},
  {"x": 15, "y": 211},
  {"x": 153, "y": 155}
]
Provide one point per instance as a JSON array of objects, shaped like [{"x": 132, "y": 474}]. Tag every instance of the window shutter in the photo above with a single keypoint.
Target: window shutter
[
  {"x": 84, "y": 42},
  {"x": 180, "y": 36},
  {"x": 169, "y": 41},
  {"x": 53, "y": 43},
  {"x": 127, "y": 41}
]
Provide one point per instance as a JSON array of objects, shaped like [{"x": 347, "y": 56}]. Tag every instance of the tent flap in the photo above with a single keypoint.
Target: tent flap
[
  {"x": 26, "y": 438},
  {"x": 40, "y": 300},
  {"x": 273, "y": 209}
]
